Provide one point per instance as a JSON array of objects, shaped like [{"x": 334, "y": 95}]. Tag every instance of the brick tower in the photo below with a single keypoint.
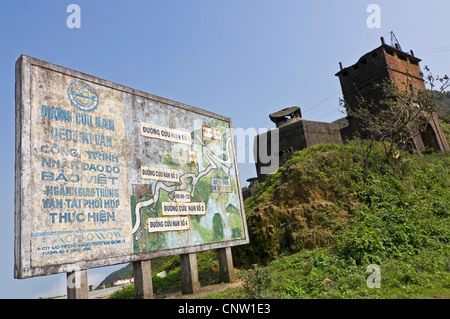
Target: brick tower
[{"x": 387, "y": 62}]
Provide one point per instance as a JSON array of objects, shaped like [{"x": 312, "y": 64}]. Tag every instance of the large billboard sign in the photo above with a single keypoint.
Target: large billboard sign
[{"x": 106, "y": 174}]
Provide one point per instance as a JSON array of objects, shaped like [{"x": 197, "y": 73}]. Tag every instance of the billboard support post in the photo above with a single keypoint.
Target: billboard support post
[
  {"x": 143, "y": 286},
  {"x": 189, "y": 273},
  {"x": 77, "y": 284},
  {"x": 226, "y": 268}
]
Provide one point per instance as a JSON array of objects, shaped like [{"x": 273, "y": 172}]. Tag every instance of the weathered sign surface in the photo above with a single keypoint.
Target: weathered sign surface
[{"x": 106, "y": 174}]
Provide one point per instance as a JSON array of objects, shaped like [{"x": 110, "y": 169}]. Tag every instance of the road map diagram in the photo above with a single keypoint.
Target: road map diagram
[{"x": 186, "y": 191}]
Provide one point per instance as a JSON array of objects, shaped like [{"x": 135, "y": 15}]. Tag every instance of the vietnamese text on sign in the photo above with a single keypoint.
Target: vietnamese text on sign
[
  {"x": 164, "y": 133},
  {"x": 171, "y": 208},
  {"x": 159, "y": 174},
  {"x": 159, "y": 224}
]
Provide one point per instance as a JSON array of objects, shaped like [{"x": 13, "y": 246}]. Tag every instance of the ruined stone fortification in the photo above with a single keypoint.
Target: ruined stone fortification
[
  {"x": 387, "y": 63},
  {"x": 295, "y": 133}
]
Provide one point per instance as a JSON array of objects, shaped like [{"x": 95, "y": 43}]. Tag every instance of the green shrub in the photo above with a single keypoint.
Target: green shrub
[{"x": 257, "y": 284}]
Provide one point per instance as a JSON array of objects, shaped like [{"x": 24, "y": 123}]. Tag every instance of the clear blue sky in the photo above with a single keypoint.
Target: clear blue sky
[{"x": 240, "y": 58}]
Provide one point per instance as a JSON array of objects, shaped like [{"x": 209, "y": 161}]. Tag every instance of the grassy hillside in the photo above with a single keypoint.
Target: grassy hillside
[
  {"x": 315, "y": 227},
  {"x": 319, "y": 226},
  {"x": 122, "y": 273}
]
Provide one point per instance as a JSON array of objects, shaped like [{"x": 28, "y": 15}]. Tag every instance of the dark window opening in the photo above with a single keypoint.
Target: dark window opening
[{"x": 430, "y": 138}]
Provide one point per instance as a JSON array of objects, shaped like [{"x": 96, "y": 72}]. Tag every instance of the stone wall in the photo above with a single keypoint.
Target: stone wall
[
  {"x": 295, "y": 136},
  {"x": 386, "y": 62}
]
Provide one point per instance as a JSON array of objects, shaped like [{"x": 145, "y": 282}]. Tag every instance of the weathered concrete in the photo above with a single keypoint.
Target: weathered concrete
[
  {"x": 293, "y": 134},
  {"x": 226, "y": 269},
  {"x": 143, "y": 285},
  {"x": 286, "y": 116},
  {"x": 189, "y": 273}
]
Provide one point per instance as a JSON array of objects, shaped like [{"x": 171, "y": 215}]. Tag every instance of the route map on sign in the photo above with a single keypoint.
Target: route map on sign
[{"x": 181, "y": 205}]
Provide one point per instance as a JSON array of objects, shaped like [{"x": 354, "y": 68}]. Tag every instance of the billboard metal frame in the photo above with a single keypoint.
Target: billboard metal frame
[{"x": 23, "y": 175}]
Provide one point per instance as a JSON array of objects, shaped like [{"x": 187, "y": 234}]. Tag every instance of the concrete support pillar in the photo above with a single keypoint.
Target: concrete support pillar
[
  {"x": 189, "y": 273},
  {"x": 143, "y": 285},
  {"x": 226, "y": 268},
  {"x": 77, "y": 284}
]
